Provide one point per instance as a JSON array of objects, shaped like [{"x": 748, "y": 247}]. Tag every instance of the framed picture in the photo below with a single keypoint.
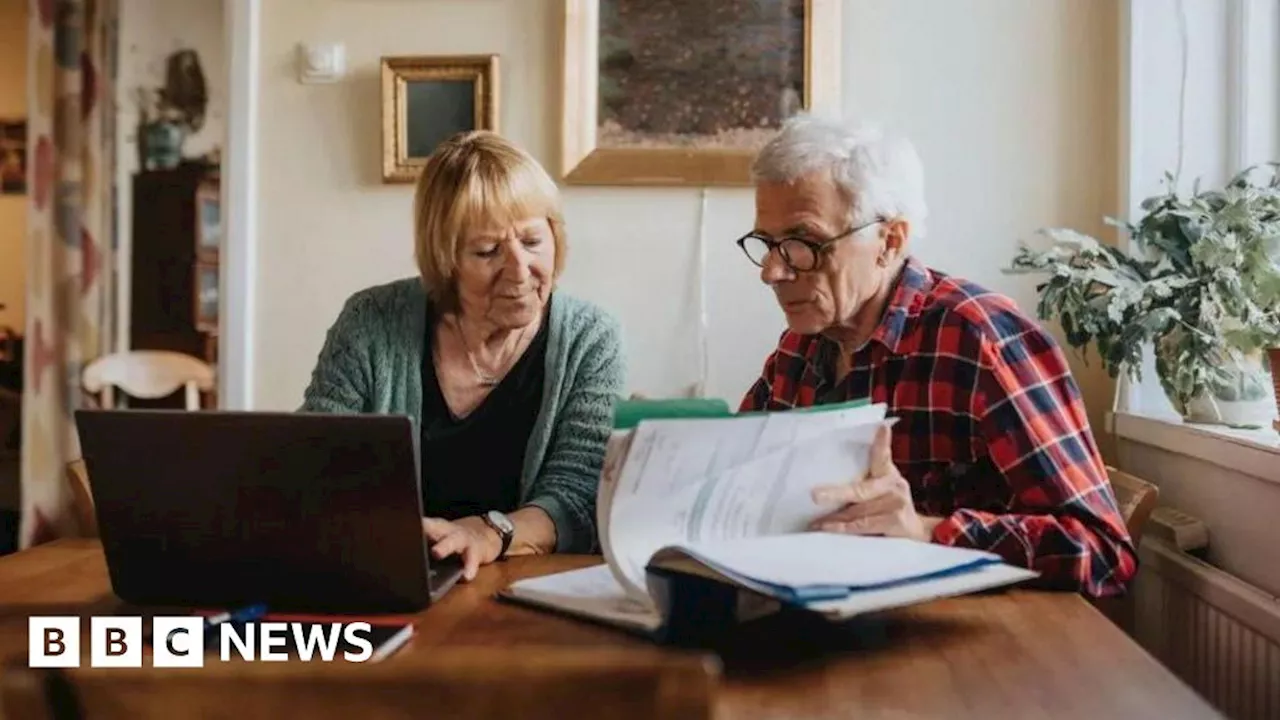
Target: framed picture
[
  {"x": 426, "y": 99},
  {"x": 683, "y": 92},
  {"x": 206, "y": 295},
  {"x": 208, "y": 221},
  {"x": 13, "y": 157}
]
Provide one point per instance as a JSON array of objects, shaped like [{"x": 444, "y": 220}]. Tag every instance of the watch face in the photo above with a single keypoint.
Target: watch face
[{"x": 501, "y": 521}]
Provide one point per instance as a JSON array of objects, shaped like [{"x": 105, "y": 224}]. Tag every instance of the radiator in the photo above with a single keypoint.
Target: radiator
[{"x": 1216, "y": 632}]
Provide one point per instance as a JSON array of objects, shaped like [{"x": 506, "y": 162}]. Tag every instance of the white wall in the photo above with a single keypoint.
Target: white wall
[
  {"x": 13, "y": 208},
  {"x": 1231, "y": 115},
  {"x": 1231, "y": 484},
  {"x": 150, "y": 30},
  {"x": 1013, "y": 105}
]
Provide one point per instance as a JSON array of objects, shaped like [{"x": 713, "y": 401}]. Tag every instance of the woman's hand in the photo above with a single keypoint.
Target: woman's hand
[{"x": 469, "y": 537}]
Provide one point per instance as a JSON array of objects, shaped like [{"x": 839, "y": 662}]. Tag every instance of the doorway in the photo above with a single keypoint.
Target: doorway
[
  {"x": 223, "y": 309},
  {"x": 171, "y": 130},
  {"x": 13, "y": 263}
]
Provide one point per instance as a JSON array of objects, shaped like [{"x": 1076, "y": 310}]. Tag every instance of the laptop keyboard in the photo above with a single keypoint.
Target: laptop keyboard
[{"x": 442, "y": 571}]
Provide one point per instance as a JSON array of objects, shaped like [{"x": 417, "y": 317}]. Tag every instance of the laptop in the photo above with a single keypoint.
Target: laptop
[{"x": 304, "y": 512}]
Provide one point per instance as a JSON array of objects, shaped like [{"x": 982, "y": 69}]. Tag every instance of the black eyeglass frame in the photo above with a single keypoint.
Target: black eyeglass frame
[{"x": 818, "y": 248}]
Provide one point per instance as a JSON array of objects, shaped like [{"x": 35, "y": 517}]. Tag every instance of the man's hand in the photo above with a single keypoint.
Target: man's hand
[
  {"x": 470, "y": 537},
  {"x": 879, "y": 505}
]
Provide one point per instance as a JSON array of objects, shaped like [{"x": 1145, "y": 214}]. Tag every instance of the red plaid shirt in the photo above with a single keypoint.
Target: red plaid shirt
[{"x": 992, "y": 434}]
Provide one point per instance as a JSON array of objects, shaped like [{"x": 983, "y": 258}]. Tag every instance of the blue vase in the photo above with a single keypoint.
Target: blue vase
[{"x": 164, "y": 146}]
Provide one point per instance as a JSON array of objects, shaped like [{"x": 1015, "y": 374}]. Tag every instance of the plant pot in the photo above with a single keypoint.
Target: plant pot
[
  {"x": 1251, "y": 402},
  {"x": 1208, "y": 410},
  {"x": 164, "y": 146}
]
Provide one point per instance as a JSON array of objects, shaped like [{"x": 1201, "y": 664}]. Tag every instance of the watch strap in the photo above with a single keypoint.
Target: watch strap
[{"x": 505, "y": 534}]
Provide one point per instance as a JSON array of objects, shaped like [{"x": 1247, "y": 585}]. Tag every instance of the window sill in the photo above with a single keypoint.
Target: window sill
[{"x": 1251, "y": 452}]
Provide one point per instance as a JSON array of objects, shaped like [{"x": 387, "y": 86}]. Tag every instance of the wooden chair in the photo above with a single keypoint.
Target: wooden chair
[
  {"x": 1137, "y": 499},
  {"x": 498, "y": 682},
  {"x": 148, "y": 374},
  {"x": 77, "y": 477},
  {"x": 10, "y": 343},
  {"x": 10, "y": 454},
  {"x": 10, "y": 418}
]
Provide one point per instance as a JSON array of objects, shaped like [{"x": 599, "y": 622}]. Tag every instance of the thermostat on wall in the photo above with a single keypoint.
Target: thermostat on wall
[{"x": 321, "y": 62}]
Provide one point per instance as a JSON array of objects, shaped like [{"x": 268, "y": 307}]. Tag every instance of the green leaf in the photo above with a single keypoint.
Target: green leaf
[{"x": 1200, "y": 286}]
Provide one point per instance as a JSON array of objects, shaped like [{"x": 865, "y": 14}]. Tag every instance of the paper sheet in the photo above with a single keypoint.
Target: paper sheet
[
  {"x": 591, "y": 592},
  {"x": 690, "y": 481},
  {"x": 991, "y": 576},
  {"x": 816, "y": 559}
]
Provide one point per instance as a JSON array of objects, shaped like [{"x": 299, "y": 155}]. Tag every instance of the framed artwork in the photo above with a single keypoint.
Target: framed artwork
[
  {"x": 13, "y": 157},
  {"x": 208, "y": 221},
  {"x": 683, "y": 92},
  {"x": 426, "y": 99},
  {"x": 206, "y": 295}
]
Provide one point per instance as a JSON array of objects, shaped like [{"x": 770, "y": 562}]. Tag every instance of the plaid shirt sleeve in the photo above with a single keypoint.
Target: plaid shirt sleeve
[
  {"x": 761, "y": 392},
  {"x": 1061, "y": 518},
  {"x": 757, "y": 398}
]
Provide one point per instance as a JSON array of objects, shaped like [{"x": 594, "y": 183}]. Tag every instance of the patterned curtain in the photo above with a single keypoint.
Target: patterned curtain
[{"x": 71, "y": 241}]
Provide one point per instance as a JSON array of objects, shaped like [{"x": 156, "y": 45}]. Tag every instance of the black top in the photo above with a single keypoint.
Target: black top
[{"x": 473, "y": 465}]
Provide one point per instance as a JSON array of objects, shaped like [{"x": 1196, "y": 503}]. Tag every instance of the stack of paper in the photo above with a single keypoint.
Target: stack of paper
[{"x": 684, "y": 501}]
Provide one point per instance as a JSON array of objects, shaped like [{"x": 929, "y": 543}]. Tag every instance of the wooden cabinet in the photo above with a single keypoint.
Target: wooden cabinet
[{"x": 174, "y": 281}]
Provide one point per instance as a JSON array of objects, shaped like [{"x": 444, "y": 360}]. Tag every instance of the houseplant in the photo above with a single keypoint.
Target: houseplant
[{"x": 1200, "y": 286}]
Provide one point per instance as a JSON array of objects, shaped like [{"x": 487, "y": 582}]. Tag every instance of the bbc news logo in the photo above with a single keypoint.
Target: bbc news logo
[{"x": 180, "y": 642}]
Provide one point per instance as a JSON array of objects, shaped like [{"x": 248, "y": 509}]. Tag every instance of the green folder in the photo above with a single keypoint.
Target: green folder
[{"x": 629, "y": 413}]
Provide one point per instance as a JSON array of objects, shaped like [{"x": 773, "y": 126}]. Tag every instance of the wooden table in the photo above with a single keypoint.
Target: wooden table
[{"x": 1019, "y": 654}]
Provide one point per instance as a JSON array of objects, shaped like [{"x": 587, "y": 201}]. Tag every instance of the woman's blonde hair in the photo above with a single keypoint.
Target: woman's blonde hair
[{"x": 472, "y": 178}]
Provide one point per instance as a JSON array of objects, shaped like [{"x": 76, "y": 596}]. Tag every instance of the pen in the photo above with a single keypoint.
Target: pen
[{"x": 243, "y": 615}]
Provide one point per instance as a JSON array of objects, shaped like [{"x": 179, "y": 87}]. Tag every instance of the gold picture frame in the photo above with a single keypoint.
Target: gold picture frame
[
  {"x": 725, "y": 157},
  {"x": 428, "y": 98},
  {"x": 208, "y": 220}
]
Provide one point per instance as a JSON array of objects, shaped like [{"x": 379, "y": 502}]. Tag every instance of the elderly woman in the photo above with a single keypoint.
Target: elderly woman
[
  {"x": 992, "y": 448},
  {"x": 511, "y": 382}
]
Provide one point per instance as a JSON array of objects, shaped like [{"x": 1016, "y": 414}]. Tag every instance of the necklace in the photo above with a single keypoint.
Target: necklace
[{"x": 485, "y": 379}]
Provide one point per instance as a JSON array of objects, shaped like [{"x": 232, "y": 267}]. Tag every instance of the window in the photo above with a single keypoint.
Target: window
[{"x": 1200, "y": 92}]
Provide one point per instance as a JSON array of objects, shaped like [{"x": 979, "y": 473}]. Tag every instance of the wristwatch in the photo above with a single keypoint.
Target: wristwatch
[{"x": 501, "y": 525}]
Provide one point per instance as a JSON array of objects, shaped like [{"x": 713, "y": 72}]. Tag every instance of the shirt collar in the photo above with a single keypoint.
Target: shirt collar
[{"x": 909, "y": 294}]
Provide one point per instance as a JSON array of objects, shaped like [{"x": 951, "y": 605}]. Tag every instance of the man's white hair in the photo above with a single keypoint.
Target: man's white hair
[{"x": 879, "y": 172}]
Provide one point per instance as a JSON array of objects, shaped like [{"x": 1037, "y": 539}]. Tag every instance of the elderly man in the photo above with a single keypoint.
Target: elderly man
[{"x": 992, "y": 448}]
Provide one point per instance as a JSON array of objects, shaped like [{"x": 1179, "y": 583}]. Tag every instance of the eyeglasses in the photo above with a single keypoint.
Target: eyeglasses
[{"x": 799, "y": 254}]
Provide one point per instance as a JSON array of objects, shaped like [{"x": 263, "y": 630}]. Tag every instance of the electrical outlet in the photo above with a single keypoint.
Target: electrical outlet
[{"x": 321, "y": 62}]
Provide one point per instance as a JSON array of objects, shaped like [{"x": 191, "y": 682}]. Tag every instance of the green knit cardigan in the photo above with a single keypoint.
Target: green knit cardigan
[{"x": 371, "y": 362}]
